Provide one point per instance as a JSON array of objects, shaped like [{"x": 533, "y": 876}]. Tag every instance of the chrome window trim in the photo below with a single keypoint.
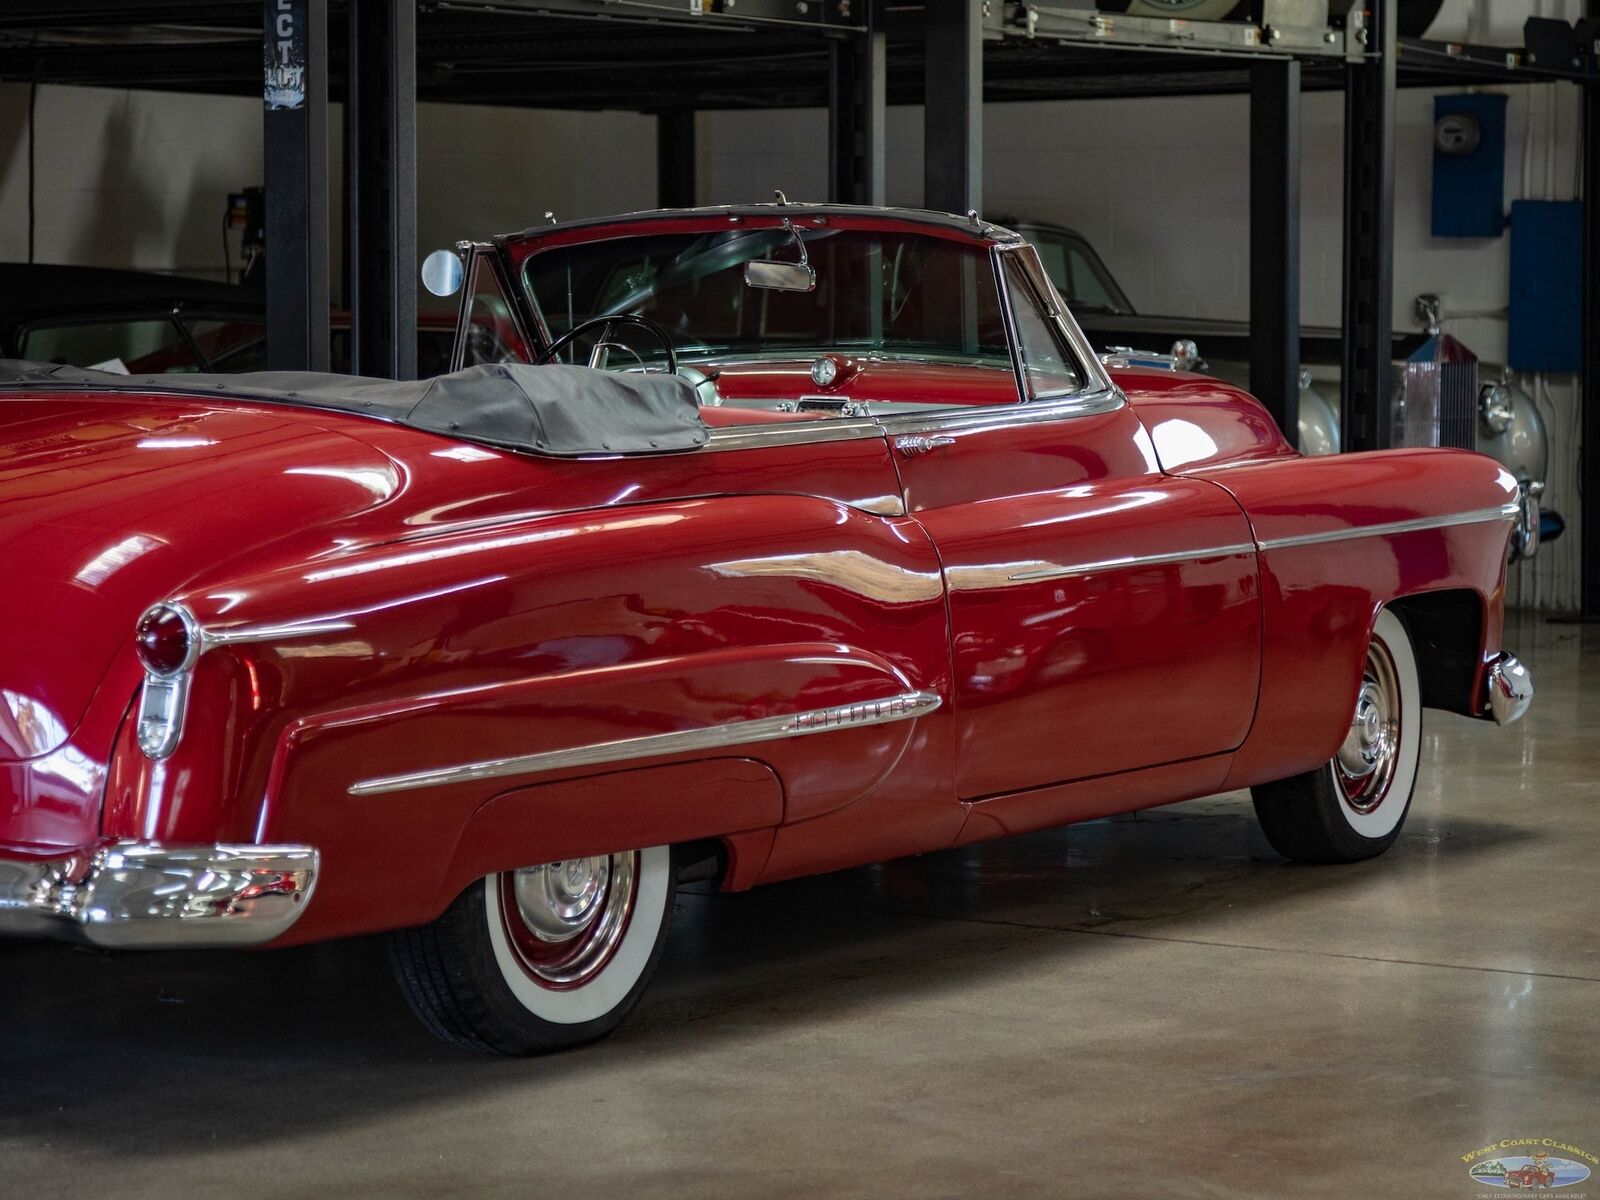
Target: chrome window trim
[
  {"x": 903, "y": 706},
  {"x": 478, "y": 255},
  {"x": 1094, "y": 373},
  {"x": 1504, "y": 512}
]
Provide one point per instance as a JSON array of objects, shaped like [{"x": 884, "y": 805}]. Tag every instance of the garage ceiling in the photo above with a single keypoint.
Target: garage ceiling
[{"x": 637, "y": 55}]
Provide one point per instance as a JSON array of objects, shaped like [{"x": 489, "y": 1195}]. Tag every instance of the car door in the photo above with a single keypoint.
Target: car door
[{"x": 1104, "y": 616}]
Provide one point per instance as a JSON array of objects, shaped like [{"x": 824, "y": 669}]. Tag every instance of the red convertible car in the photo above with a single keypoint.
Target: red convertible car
[{"x": 806, "y": 536}]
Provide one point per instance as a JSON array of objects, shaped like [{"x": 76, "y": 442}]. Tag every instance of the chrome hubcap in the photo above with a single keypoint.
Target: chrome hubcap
[
  {"x": 567, "y": 918},
  {"x": 1366, "y": 759},
  {"x": 558, "y": 900}
]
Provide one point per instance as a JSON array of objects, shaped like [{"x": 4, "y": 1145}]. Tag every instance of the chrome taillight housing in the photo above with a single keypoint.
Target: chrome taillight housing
[{"x": 168, "y": 641}]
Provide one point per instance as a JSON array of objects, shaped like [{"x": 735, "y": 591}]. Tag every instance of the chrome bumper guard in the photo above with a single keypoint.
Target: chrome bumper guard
[
  {"x": 1510, "y": 688},
  {"x": 138, "y": 895}
]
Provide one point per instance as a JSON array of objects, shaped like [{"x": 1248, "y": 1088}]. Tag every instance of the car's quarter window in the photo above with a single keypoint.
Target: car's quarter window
[
  {"x": 1049, "y": 368},
  {"x": 492, "y": 332}
]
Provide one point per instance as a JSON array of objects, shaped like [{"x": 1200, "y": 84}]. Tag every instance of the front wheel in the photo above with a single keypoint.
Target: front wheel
[
  {"x": 540, "y": 959},
  {"x": 1353, "y": 806}
]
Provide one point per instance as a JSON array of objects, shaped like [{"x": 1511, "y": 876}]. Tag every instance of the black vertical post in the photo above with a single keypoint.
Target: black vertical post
[
  {"x": 953, "y": 106},
  {"x": 856, "y": 114},
  {"x": 295, "y": 149},
  {"x": 1275, "y": 240},
  {"x": 350, "y": 200},
  {"x": 1369, "y": 104},
  {"x": 675, "y": 158},
  {"x": 1589, "y": 447},
  {"x": 381, "y": 171}
]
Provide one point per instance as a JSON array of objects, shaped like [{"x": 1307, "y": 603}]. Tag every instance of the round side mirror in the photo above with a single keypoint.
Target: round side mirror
[{"x": 442, "y": 272}]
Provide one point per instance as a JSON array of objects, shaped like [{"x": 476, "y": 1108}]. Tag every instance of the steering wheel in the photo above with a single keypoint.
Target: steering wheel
[{"x": 605, "y": 325}]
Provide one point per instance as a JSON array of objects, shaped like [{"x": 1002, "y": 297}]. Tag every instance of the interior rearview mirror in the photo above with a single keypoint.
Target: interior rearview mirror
[
  {"x": 780, "y": 276},
  {"x": 442, "y": 272}
]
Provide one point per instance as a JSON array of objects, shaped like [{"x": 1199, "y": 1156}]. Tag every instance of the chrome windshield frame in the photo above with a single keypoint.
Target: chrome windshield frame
[{"x": 1098, "y": 394}]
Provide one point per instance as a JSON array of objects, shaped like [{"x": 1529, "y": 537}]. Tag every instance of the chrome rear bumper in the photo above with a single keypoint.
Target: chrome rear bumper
[
  {"x": 132, "y": 895},
  {"x": 1510, "y": 688}
]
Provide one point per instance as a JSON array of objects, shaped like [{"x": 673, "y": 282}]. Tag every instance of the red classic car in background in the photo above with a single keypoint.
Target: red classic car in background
[
  {"x": 1530, "y": 1175},
  {"x": 843, "y": 545}
]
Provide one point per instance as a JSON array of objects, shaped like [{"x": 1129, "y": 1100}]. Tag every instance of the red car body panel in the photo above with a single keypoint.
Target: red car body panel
[{"x": 457, "y": 603}]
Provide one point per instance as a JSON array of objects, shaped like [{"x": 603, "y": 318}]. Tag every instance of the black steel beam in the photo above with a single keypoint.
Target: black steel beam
[
  {"x": 1369, "y": 110},
  {"x": 952, "y": 89},
  {"x": 1589, "y": 446},
  {"x": 381, "y": 175},
  {"x": 295, "y": 152},
  {"x": 746, "y": 14},
  {"x": 1275, "y": 240},
  {"x": 857, "y": 94},
  {"x": 675, "y": 158}
]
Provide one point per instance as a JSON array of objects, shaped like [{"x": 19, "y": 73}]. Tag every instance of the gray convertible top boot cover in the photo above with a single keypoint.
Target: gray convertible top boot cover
[{"x": 556, "y": 409}]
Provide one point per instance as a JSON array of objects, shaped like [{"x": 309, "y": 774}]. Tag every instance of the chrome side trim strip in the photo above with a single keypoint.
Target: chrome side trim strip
[
  {"x": 902, "y": 707},
  {"x": 787, "y": 433},
  {"x": 1054, "y": 571},
  {"x": 243, "y": 635},
  {"x": 1082, "y": 404},
  {"x": 1505, "y": 512}
]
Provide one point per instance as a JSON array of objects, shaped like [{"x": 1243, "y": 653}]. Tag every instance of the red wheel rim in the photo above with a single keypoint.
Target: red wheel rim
[{"x": 565, "y": 920}]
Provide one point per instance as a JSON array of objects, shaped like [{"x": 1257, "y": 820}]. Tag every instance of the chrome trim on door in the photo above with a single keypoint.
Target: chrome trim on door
[
  {"x": 1505, "y": 512},
  {"x": 1082, "y": 404},
  {"x": 913, "y": 445},
  {"x": 754, "y": 437},
  {"x": 1057, "y": 571},
  {"x": 902, "y": 707}
]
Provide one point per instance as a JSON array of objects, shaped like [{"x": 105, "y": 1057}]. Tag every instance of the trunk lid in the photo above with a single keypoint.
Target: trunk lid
[{"x": 110, "y": 503}]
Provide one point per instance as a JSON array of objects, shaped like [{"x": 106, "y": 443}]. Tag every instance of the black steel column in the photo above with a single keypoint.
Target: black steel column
[
  {"x": 675, "y": 158},
  {"x": 1275, "y": 240},
  {"x": 295, "y": 150},
  {"x": 856, "y": 108},
  {"x": 1369, "y": 104},
  {"x": 952, "y": 140},
  {"x": 380, "y": 158},
  {"x": 1589, "y": 449}
]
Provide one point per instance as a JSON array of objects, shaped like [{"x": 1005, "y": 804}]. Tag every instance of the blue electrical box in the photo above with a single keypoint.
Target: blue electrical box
[
  {"x": 1469, "y": 166},
  {"x": 1546, "y": 331}
]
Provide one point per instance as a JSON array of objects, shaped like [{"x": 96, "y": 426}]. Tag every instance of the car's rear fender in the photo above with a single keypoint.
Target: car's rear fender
[{"x": 561, "y": 646}]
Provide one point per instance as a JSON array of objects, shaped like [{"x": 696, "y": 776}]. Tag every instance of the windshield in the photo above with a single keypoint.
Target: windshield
[{"x": 894, "y": 293}]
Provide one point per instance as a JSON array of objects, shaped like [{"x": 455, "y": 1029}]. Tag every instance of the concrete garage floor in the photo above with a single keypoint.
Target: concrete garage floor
[{"x": 1141, "y": 1007}]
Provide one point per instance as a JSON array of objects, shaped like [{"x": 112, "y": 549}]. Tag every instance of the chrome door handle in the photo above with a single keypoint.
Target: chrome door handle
[{"x": 914, "y": 445}]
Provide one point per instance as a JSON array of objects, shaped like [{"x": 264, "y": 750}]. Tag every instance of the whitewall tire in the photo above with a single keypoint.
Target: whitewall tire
[
  {"x": 1353, "y": 806},
  {"x": 540, "y": 959}
]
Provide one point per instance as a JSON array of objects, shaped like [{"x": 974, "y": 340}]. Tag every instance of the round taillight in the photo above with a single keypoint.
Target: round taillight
[{"x": 166, "y": 640}]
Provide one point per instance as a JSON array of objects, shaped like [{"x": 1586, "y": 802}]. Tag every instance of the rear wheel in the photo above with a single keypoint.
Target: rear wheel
[
  {"x": 543, "y": 958},
  {"x": 1353, "y": 806}
]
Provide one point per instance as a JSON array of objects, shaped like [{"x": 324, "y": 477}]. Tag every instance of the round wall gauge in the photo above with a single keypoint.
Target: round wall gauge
[{"x": 1457, "y": 134}]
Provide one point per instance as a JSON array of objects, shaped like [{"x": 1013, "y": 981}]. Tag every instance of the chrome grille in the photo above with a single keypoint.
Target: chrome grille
[{"x": 1438, "y": 402}]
